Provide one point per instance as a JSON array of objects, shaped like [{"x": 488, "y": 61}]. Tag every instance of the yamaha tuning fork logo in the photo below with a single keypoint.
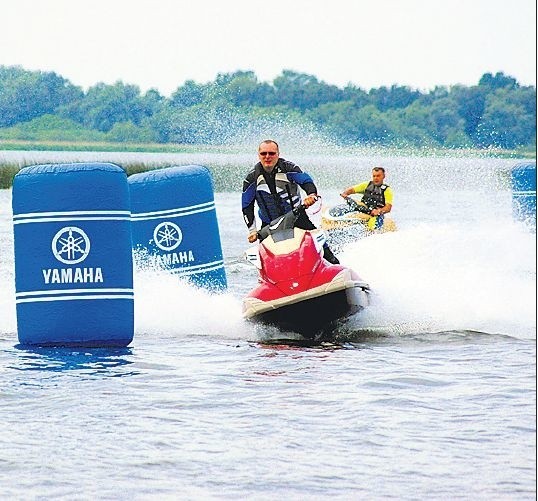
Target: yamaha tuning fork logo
[
  {"x": 71, "y": 245},
  {"x": 167, "y": 236}
]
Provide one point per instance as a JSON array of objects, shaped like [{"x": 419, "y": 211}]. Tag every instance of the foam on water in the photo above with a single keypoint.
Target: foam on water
[
  {"x": 457, "y": 261},
  {"x": 165, "y": 305},
  {"x": 441, "y": 277},
  {"x": 8, "y": 322},
  {"x": 426, "y": 278}
]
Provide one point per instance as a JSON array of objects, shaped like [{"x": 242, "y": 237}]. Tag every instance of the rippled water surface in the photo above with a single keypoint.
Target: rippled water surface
[{"x": 429, "y": 394}]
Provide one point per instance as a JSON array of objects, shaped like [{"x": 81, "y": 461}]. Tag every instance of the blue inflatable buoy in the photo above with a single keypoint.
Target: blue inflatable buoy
[
  {"x": 73, "y": 255},
  {"x": 524, "y": 192},
  {"x": 174, "y": 223}
]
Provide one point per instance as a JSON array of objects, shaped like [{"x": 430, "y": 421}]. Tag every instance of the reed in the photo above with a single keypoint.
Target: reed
[
  {"x": 7, "y": 173},
  {"x": 9, "y": 170},
  {"x": 223, "y": 175}
]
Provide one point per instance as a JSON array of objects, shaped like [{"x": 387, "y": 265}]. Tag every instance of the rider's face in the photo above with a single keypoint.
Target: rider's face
[
  {"x": 378, "y": 176},
  {"x": 268, "y": 155}
]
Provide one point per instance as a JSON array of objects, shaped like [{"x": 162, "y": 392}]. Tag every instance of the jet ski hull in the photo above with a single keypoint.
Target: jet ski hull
[
  {"x": 313, "y": 316},
  {"x": 313, "y": 311},
  {"x": 298, "y": 290}
]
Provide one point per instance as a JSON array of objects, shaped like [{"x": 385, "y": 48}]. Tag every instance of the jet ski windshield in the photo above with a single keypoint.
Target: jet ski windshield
[{"x": 281, "y": 228}]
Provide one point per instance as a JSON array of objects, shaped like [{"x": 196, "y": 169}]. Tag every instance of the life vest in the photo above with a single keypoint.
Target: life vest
[
  {"x": 374, "y": 196},
  {"x": 285, "y": 198}
]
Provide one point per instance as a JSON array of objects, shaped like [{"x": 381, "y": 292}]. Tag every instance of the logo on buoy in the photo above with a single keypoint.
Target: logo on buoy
[
  {"x": 167, "y": 236},
  {"x": 71, "y": 245}
]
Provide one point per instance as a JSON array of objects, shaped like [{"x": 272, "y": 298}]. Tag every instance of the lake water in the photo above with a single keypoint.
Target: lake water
[{"x": 429, "y": 394}]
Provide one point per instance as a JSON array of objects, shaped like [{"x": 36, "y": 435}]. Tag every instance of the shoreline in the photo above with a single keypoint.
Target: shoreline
[
  {"x": 141, "y": 157},
  {"x": 86, "y": 146}
]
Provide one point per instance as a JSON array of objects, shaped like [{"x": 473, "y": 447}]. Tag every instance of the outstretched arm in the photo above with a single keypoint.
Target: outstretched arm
[{"x": 358, "y": 188}]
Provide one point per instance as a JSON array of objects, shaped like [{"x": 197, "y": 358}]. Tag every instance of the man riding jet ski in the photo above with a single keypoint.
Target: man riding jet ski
[
  {"x": 273, "y": 184},
  {"x": 351, "y": 214},
  {"x": 298, "y": 289},
  {"x": 363, "y": 217}
]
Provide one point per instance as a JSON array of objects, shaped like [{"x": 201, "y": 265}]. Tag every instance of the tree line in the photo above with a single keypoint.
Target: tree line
[{"x": 498, "y": 112}]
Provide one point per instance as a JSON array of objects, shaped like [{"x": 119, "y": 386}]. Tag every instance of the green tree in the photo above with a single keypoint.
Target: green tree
[
  {"x": 371, "y": 126},
  {"x": 332, "y": 118},
  {"x": 356, "y": 95},
  {"x": 303, "y": 92},
  {"x": 445, "y": 120},
  {"x": 506, "y": 122},
  {"x": 414, "y": 124},
  {"x": 25, "y": 95},
  {"x": 189, "y": 94},
  {"x": 104, "y": 105},
  {"x": 238, "y": 107},
  {"x": 354, "y": 125},
  {"x": 151, "y": 102},
  {"x": 499, "y": 81},
  {"x": 243, "y": 89},
  {"x": 199, "y": 124},
  {"x": 50, "y": 128},
  {"x": 128, "y": 132},
  {"x": 394, "y": 97},
  {"x": 471, "y": 102}
]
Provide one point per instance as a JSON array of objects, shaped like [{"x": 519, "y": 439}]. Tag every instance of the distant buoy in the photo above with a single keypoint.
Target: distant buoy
[
  {"x": 175, "y": 223},
  {"x": 73, "y": 256},
  {"x": 524, "y": 192}
]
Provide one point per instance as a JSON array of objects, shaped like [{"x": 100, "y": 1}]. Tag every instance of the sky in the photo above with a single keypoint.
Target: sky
[{"x": 160, "y": 44}]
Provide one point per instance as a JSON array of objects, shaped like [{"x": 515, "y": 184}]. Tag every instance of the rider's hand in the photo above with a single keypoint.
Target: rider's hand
[
  {"x": 253, "y": 236},
  {"x": 346, "y": 193},
  {"x": 310, "y": 200}
]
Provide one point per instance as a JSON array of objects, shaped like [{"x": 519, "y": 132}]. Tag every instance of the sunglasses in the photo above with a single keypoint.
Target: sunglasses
[{"x": 267, "y": 153}]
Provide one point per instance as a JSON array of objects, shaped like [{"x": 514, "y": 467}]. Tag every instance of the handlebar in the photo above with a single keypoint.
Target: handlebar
[
  {"x": 299, "y": 210},
  {"x": 352, "y": 203},
  {"x": 286, "y": 221}
]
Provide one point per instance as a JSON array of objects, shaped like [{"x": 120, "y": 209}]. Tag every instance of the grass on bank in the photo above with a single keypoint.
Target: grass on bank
[
  {"x": 122, "y": 147},
  {"x": 9, "y": 170},
  {"x": 221, "y": 176}
]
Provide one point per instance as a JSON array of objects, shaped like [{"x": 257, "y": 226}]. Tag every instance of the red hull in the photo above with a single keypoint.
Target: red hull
[{"x": 298, "y": 290}]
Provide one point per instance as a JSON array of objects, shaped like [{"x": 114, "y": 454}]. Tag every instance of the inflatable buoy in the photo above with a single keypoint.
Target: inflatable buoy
[
  {"x": 524, "y": 192},
  {"x": 73, "y": 256},
  {"x": 175, "y": 223}
]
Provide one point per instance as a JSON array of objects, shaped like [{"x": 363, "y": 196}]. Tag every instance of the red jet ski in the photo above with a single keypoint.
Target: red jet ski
[{"x": 298, "y": 290}]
